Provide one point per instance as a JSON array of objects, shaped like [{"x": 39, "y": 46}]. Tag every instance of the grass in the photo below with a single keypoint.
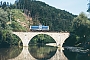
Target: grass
[{"x": 17, "y": 14}]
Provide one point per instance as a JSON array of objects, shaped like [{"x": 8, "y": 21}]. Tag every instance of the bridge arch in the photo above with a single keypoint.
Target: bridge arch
[
  {"x": 27, "y": 36},
  {"x": 42, "y": 38}
]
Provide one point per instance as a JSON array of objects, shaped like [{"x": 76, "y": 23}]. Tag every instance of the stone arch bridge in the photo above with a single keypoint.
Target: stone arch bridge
[{"x": 57, "y": 36}]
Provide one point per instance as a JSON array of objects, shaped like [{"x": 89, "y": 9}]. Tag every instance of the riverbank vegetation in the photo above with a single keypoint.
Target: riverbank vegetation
[
  {"x": 23, "y": 13},
  {"x": 42, "y": 39}
]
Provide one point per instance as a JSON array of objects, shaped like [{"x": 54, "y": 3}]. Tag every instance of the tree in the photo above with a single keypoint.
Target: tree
[
  {"x": 81, "y": 26},
  {"x": 1, "y": 4},
  {"x": 88, "y": 10},
  {"x": 3, "y": 19}
]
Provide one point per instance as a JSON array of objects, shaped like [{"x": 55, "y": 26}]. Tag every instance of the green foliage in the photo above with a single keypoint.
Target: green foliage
[
  {"x": 17, "y": 27},
  {"x": 18, "y": 20},
  {"x": 81, "y": 26},
  {"x": 3, "y": 19},
  {"x": 42, "y": 38},
  {"x": 6, "y": 37},
  {"x": 17, "y": 14}
]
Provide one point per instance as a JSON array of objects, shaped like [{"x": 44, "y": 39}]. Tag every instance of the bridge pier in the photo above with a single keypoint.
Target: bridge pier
[
  {"x": 27, "y": 36},
  {"x": 25, "y": 43}
]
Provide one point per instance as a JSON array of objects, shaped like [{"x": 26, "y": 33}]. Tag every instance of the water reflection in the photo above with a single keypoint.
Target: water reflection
[
  {"x": 24, "y": 55},
  {"x": 59, "y": 55},
  {"x": 42, "y": 52},
  {"x": 8, "y": 53}
]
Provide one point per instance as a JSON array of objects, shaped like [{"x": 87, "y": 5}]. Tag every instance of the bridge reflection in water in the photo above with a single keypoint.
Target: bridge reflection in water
[{"x": 25, "y": 55}]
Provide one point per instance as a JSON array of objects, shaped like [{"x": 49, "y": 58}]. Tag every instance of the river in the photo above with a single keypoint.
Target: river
[{"x": 41, "y": 52}]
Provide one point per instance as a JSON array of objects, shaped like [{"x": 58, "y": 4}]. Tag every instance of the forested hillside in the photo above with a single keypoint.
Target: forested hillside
[
  {"x": 23, "y": 13},
  {"x": 41, "y": 13}
]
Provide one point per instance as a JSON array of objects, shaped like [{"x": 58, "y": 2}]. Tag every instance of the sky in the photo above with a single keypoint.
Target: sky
[{"x": 73, "y": 6}]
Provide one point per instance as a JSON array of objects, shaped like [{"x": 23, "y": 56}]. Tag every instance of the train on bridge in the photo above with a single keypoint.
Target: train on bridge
[{"x": 39, "y": 28}]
